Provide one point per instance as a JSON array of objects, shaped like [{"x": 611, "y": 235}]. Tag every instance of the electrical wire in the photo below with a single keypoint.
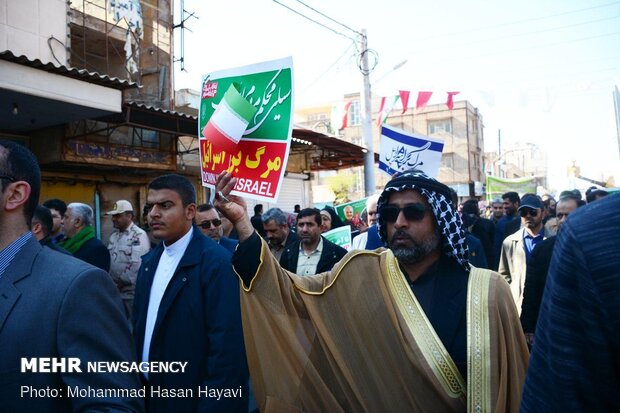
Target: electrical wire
[
  {"x": 329, "y": 18},
  {"x": 331, "y": 66},
  {"x": 314, "y": 21},
  {"x": 371, "y": 52},
  {"x": 516, "y": 22}
]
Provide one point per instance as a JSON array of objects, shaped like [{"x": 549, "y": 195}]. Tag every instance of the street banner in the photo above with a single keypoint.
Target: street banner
[
  {"x": 496, "y": 187},
  {"x": 351, "y": 212},
  {"x": 400, "y": 151},
  {"x": 340, "y": 236},
  {"x": 245, "y": 125}
]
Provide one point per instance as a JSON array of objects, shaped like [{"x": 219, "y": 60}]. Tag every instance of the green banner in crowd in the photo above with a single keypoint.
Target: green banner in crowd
[
  {"x": 498, "y": 186},
  {"x": 351, "y": 211},
  {"x": 340, "y": 236}
]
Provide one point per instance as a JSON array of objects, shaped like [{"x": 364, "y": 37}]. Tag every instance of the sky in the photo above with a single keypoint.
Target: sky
[{"x": 541, "y": 71}]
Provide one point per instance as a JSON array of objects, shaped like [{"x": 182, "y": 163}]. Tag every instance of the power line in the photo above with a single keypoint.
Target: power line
[
  {"x": 331, "y": 66},
  {"x": 314, "y": 21},
  {"x": 329, "y": 18},
  {"x": 517, "y": 22},
  {"x": 541, "y": 46},
  {"x": 516, "y": 35}
]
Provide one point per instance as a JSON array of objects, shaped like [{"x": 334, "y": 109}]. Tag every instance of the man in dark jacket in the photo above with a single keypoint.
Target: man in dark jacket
[
  {"x": 279, "y": 235},
  {"x": 481, "y": 228},
  {"x": 55, "y": 309},
  {"x": 537, "y": 270},
  {"x": 186, "y": 308},
  {"x": 312, "y": 253},
  {"x": 81, "y": 240},
  {"x": 41, "y": 227}
]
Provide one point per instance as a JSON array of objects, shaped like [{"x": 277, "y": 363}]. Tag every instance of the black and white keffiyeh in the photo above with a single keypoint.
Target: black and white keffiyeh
[{"x": 439, "y": 198}]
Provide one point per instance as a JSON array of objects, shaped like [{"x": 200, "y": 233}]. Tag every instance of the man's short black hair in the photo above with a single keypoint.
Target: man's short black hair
[
  {"x": 593, "y": 193},
  {"x": 204, "y": 207},
  {"x": 177, "y": 183},
  {"x": 258, "y": 209},
  {"x": 43, "y": 216},
  {"x": 471, "y": 207},
  {"x": 310, "y": 212},
  {"x": 57, "y": 204},
  {"x": 17, "y": 162},
  {"x": 512, "y": 197}
]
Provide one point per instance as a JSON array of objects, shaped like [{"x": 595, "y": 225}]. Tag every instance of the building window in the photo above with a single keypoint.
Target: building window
[
  {"x": 447, "y": 161},
  {"x": 436, "y": 126},
  {"x": 316, "y": 117},
  {"x": 354, "y": 114}
]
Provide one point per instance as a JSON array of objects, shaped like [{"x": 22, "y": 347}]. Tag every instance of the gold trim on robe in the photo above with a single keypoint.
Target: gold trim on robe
[
  {"x": 421, "y": 329},
  {"x": 478, "y": 342}
]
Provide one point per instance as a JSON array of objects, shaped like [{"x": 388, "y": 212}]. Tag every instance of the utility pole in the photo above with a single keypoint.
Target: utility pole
[{"x": 366, "y": 112}]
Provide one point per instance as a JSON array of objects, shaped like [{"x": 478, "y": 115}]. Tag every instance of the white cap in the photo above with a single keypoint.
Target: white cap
[{"x": 120, "y": 207}]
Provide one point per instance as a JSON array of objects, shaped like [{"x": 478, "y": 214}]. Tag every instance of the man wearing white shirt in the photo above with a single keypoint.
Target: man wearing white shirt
[
  {"x": 186, "y": 308},
  {"x": 360, "y": 242}
]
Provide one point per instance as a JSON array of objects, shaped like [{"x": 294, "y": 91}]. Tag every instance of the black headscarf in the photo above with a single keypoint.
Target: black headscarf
[
  {"x": 336, "y": 221},
  {"x": 439, "y": 198}
]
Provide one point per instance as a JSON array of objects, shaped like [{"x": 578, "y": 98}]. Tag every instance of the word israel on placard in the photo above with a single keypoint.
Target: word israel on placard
[{"x": 400, "y": 151}]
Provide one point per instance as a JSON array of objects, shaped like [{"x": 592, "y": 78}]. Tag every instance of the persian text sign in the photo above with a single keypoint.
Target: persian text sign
[
  {"x": 400, "y": 151},
  {"x": 498, "y": 186},
  {"x": 340, "y": 236},
  {"x": 257, "y": 140}
]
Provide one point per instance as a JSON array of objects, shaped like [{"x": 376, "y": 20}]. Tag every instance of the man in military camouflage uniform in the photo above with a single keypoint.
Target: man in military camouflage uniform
[{"x": 128, "y": 243}]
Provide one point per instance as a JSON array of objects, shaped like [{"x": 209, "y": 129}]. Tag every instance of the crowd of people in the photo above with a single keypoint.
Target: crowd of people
[{"x": 435, "y": 307}]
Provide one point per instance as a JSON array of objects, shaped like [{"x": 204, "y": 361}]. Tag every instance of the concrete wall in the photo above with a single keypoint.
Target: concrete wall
[{"x": 26, "y": 26}]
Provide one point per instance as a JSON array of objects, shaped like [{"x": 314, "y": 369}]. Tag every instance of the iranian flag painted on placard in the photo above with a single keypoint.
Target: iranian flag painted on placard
[{"x": 230, "y": 120}]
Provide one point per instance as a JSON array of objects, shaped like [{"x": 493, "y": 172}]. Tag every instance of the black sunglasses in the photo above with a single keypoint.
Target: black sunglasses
[
  {"x": 206, "y": 224},
  {"x": 525, "y": 211},
  {"x": 8, "y": 178},
  {"x": 413, "y": 212}
]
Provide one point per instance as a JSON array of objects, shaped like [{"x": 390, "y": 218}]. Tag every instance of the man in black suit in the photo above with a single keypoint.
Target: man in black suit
[
  {"x": 186, "y": 308},
  {"x": 53, "y": 306},
  {"x": 312, "y": 253},
  {"x": 279, "y": 235},
  {"x": 481, "y": 228},
  {"x": 537, "y": 269}
]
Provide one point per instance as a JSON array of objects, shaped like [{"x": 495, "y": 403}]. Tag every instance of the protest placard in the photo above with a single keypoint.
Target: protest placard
[
  {"x": 400, "y": 151},
  {"x": 245, "y": 126},
  {"x": 351, "y": 212},
  {"x": 340, "y": 236}
]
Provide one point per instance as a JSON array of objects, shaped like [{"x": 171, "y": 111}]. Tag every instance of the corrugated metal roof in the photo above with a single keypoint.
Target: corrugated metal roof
[
  {"x": 72, "y": 72},
  {"x": 160, "y": 110}
]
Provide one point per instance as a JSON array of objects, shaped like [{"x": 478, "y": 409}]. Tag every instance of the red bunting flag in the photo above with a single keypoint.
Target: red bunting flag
[
  {"x": 404, "y": 98},
  {"x": 345, "y": 117},
  {"x": 379, "y": 115},
  {"x": 450, "y": 102},
  {"x": 423, "y": 98}
]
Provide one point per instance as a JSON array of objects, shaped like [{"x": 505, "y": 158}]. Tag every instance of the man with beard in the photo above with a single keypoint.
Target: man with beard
[
  {"x": 506, "y": 225},
  {"x": 410, "y": 328},
  {"x": 311, "y": 253},
  {"x": 517, "y": 248},
  {"x": 279, "y": 235}
]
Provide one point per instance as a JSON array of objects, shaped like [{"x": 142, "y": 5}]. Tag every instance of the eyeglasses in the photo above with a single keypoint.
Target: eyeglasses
[
  {"x": 8, "y": 178},
  {"x": 413, "y": 212},
  {"x": 528, "y": 211},
  {"x": 206, "y": 224}
]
